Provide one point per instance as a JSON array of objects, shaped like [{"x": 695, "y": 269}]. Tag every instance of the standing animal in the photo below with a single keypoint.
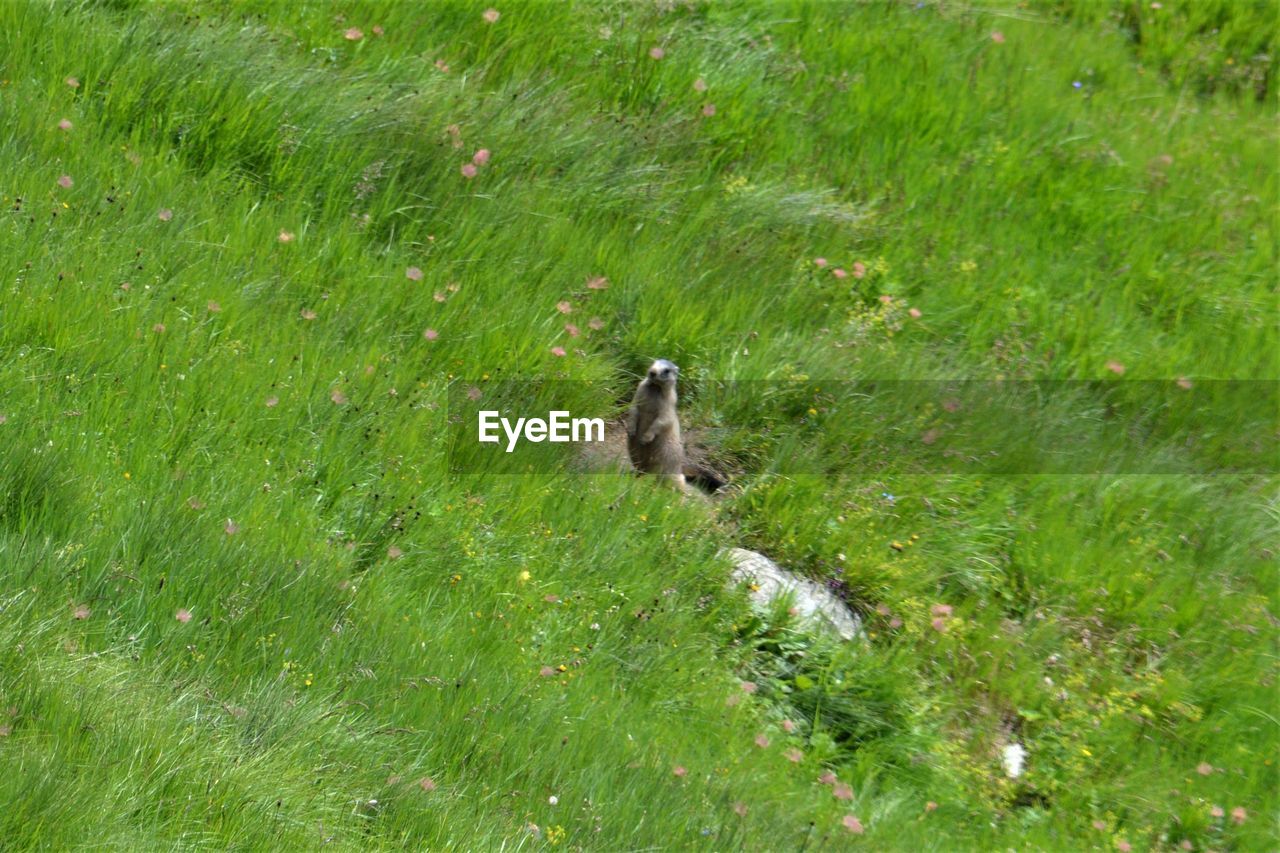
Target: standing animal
[{"x": 653, "y": 429}]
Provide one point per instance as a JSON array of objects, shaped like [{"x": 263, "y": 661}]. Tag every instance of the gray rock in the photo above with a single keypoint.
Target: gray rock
[{"x": 815, "y": 605}]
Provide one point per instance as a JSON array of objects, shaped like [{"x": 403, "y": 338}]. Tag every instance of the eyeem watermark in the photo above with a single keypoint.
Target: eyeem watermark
[{"x": 559, "y": 427}]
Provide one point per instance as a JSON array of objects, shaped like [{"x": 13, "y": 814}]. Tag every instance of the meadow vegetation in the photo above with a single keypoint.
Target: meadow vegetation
[{"x": 252, "y": 598}]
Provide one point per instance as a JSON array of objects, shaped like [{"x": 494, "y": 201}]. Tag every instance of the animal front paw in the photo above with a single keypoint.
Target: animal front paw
[{"x": 647, "y": 437}]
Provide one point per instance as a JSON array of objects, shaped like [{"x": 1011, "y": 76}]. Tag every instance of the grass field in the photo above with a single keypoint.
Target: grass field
[{"x": 252, "y": 599}]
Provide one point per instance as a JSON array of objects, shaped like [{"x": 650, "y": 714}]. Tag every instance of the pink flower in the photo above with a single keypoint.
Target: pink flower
[
  {"x": 378, "y": 30},
  {"x": 558, "y": 352},
  {"x": 430, "y": 334},
  {"x": 442, "y": 66},
  {"x": 762, "y": 741},
  {"x": 709, "y": 110},
  {"x": 183, "y": 615},
  {"x": 699, "y": 85},
  {"x": 413, "y": 274},
  {"x": 827, "y": 778},
  {"x": 595, "y": 323},
  {"x": 573, "y": 330},
  {"x": 272, "y": 402},
  {"x": 740, "y": 809},
  {"x": 859, "y": 269},
  {"x": 748, "y": 687},
  {"x": 564, "y": 306},
  {"x": 72, "y": 82},
  {"x": 930, "y": 806},
  {"x": 353, "y": 34},
  {"x": 842, "y": 792},
  {"x": 680, "y": 771},
  {"x": 598, "y": 283},
  {"x": 854, "y": 825},
  {"x": 481, "y": 157},
  {"x": 474, "y": 393},
  {"x": 1204, "y": 768},
  {"x": 883, "y": 609},
  {"x": 285, "y": 237},
  {"x": 788, "y": 726},
  {"x": 65, "y": 124},
  {"x": 468, "y": 170},
  {"x": 1124, "y": 846},
  {"x": 438, "y": 296},
  {"x": 491, "y": 16},
  {"x": 394, "y": 553},
  {"x": 1239, "y": 815},
  {"x": 997, "y": 37},
  {"x": 886, "y": 299},
  {"x": 230, "y": 528},
  {"x": 158, "y": 328},
  {"x": 819, "y": 262},
  {"x": 547, "y": 671},
  {"x": 915, "y": 313},
  {"x": 1116, "y": 367},
  {"x": 839, "y": 272},
  {"x": 165, "y": 214},
  {"x": 895, "y": 623},
  {"x": 427, "y": 784},
  {"x": 1186, "y": 844},
  {"x": 733, "y": 699},
  {"x": 65, "y": 182},
  {"x": 656, "y": 53},
  {"x": 1216, "y": 811},
  {"x": 794, "y": 755},
  {"x": 939, "y": 624},
  {"x": 940, "y": 610},
  {"x": 1184, "y": 383},
  {"x": 82, "y": 611},
  {"x": 1099, "y": 825},
  {"x": 930, "y": 436}
]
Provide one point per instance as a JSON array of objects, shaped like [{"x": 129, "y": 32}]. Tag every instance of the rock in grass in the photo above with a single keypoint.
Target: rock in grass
[{"x": 815, "y": 605}]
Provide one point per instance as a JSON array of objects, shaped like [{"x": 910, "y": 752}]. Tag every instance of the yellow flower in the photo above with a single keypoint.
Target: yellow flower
[{"x": 524, "y": 576}]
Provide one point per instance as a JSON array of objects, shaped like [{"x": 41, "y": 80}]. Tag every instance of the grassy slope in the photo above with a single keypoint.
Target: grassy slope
[{"x": 1117, "y": 624}]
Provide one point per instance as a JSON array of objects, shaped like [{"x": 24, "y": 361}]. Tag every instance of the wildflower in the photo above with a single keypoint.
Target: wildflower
[
  {"x": 886, "y": 299},
  {"x": 1186, "y": 844},
  {"x": 353, "y": 34},
  {"x": 165, "y": 214},
  {"x": 762, "y": 741},
  {"x": 413, "y": 274},
  {"x": 709, "y": 110},
  {"x": 553, "y": 800},
  {"x": 1204, "y": 768},
  {"x": 72, "y": 82},
  {"x": 473, "y": 393},
  {"x": 595, "y": 323},
  {"x": 598, "y": 283},
  {"x": 158, "y": 328},
  {"x": 558, "y": 352},
  {"x": 82, "y": 611},
  {"x": 842, "y": 792},
  {"x": 939, "y": 624},
  {"x": 1116, "y": 367},
  {"x": 859, "y": 269},
  {"x": 547, "y": 671},
  {"x": 656, "y": 53},
  {"x": 65, "y": 182},
  {"x": 1099, "y": 825},
  {"x": 230, "y": 528},
  {"x": 940, "y": 610},
  {"x": 183, "y": 615},
  {"x": 394, "y": 553},
  {"x": 748, "y": 687},
  {"x": 427, "y": 784},
  {"x": 852, "y": 824},
  {"x": 680, "y": 771},
  {"x": 930, "y": 806},
  {"x": 430, "y": 334},
  {"x": 338, "y": 397},
  {"x": 1076, "y": 84},
  {"x": 524, "y": 576},
  {"x": 378, "y": 30},
  {"x": 732, "y": 699},
  {"x": 468, "y": 170},
  {"x": 551, "y": 599},
  {"x": 827, "y": 778},
  {"x": 481, "y": 157},
  {"x": 1239, "y": 815},
  {"x": 438, "y": 296},
  {"x": 914, "y": 313},
  {"x": 307, "y": 314},
  {"x": 794, "y": 755},
  {"x": 788, "y": 726},
  {"x": 285, "y": 237},
  {"x": 895, "y": 623},
  {"x": 491, "y": 16},
  {"x": 883, "y": 609},
  {"x": 820, "y": 262},
  {"x": 1124, "y": 846},
  {"x": 997, "y": 37},
  {"x": 1184, "y": 383},
  {"x": 573, "y": 330},
  {"x": 65, "y": 124},
  {"x": 1216, "y": 811},
  {"x": 740, "y": 809},
  {"x": 272, "y": 402},
  {"x": 442, "y": 66},
  {"x": 839, "y": 272}
]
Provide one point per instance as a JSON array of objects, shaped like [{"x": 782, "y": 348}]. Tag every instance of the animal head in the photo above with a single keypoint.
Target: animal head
[{"x": 662, "y": 372}]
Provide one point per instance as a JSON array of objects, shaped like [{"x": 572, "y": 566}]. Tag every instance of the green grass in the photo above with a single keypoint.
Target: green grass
[{"x": 200, "y": 418}]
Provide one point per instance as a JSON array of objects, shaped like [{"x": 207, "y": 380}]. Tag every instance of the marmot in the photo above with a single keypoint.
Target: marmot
[{"x": 653, "y": 429}]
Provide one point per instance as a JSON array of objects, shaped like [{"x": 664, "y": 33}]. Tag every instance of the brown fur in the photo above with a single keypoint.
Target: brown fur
[{"x": 653, "y": 427}]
